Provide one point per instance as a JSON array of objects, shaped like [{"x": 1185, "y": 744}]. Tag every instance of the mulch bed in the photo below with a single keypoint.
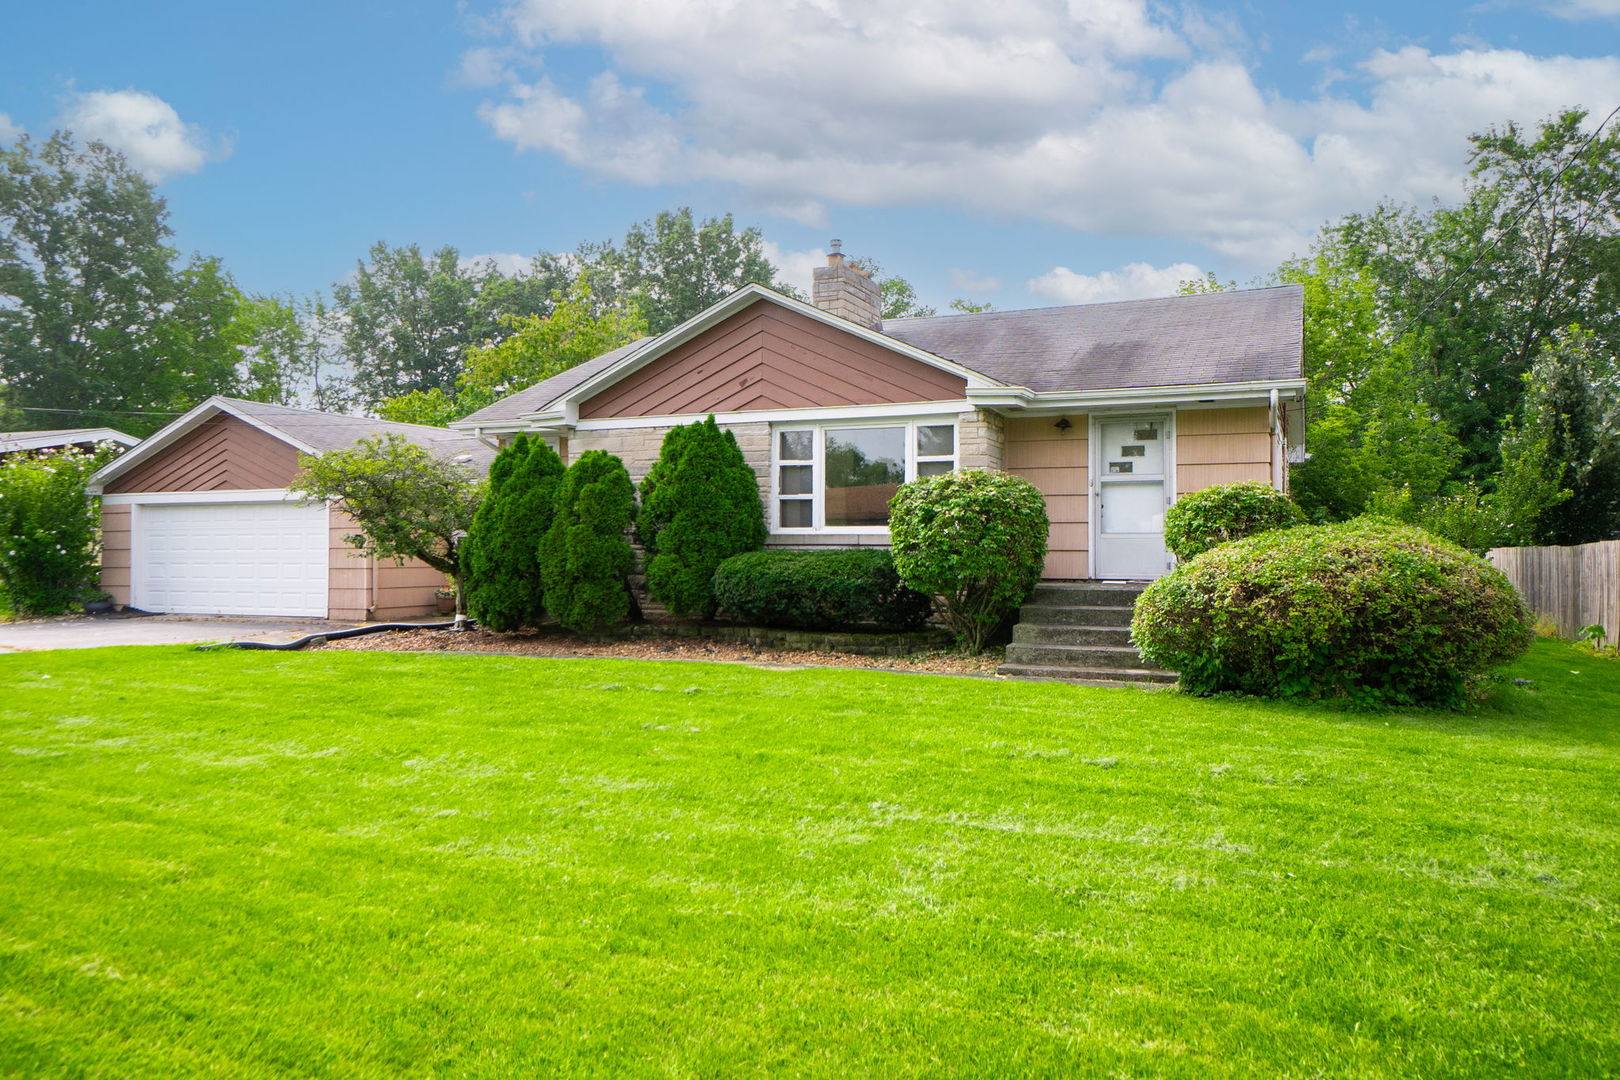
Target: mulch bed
[{"x": 653, "y": 648}]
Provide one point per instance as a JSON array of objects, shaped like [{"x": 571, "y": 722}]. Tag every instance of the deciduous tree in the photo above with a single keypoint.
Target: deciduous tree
[{"x": 407, "y": 501}]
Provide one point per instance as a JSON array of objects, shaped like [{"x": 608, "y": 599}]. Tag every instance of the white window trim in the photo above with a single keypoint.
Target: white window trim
[{"x": 817, "y": 462}]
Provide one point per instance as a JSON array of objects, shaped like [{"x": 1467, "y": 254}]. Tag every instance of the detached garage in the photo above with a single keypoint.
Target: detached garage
[{"x": 198, "y": 520}]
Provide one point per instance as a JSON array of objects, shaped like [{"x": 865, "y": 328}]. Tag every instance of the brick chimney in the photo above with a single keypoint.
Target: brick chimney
[{"x": 842, "y": 288}]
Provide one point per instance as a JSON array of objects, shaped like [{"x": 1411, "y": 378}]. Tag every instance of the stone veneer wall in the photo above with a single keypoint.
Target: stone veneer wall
[{"x": 981, "y": 440}]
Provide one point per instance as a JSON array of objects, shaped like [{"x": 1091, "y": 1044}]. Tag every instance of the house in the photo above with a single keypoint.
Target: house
[
  {"x": 16, "y": 442},
  {"x": 1111, "y": 410},
  {"x": 197, "y": 519}
]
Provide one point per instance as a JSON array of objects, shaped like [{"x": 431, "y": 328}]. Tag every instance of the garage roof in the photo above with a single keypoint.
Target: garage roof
[{"x": 307, "y": 430}]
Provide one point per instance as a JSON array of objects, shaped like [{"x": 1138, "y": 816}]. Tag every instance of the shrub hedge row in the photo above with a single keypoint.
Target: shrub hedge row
[{"x": 818, "y": 590}]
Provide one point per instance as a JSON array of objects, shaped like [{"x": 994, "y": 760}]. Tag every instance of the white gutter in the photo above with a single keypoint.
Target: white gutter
[{"x": 1023, "y": 398}]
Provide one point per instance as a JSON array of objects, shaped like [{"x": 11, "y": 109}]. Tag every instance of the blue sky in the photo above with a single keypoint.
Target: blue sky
[{"x": 1026, "y": 152}]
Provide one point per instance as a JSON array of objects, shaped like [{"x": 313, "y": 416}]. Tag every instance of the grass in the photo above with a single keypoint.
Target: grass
[{"x": 371, "y": 865}]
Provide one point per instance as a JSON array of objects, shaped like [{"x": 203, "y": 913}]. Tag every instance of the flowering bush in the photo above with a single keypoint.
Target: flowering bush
[{"x": 48, "y": 531}]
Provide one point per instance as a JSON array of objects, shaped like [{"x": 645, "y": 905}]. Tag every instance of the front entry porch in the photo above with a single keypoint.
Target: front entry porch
[{"x": 1080, "y": 632}]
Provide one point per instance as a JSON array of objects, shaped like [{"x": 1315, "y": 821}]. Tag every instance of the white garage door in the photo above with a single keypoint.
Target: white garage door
[{"x": 250, "y": 558}]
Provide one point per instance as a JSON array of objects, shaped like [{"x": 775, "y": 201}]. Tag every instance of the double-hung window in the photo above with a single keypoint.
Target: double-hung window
[{"x": 840, "y": 477}]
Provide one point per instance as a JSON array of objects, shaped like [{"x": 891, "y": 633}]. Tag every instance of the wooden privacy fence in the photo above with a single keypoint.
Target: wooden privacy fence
[{"x": 1574, "y": 586}]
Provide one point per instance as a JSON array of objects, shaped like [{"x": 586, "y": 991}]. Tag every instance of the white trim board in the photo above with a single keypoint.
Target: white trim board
[
  {"x": 157, "y": 497},
  {"x": 854, "y": 413}
]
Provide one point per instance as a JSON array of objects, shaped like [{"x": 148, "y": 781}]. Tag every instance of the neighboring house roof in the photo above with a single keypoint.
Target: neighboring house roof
[
  {"x": 305, "y": 429},
  {"x": 1239, "y": 337},
  {"x": 14, "y": 441},
  {"x": 1250, "y": 335}
]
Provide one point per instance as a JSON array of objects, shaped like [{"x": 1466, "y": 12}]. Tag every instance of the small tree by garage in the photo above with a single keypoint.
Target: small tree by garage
[{"x": 408, "y": 502}]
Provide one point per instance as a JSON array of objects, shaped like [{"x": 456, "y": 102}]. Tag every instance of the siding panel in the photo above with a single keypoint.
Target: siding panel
[
  {"x": 220, "y": 454},
  {"x": 766, "y": 352},
  {"x": 1219, "y": 446},
  {"x": 1056, "y": 463}
]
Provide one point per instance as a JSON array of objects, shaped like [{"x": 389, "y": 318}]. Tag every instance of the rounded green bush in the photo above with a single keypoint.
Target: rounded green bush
[
  {"x": 975, "y": 541},
  {"x": 818, "y": 590},
  {"x": 1222, "y": 513},
  {"x": 1371, "y": 610}
]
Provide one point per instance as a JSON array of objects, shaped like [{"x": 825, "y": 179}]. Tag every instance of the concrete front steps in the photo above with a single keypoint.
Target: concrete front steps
[{"x": 1080, "y": 632}]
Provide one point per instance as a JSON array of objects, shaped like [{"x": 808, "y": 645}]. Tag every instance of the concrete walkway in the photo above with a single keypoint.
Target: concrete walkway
[{"x": 96, "y": 631}]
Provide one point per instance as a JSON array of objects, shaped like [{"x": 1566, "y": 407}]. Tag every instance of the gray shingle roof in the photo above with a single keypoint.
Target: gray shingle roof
[
  {"x": 11, "y": 440},
  {"x": 1245, "y": 335},
  {"x": 331, "y": 431},
  {"x": 1239, "y": 336},
  {"x": 543, "y": 393}
]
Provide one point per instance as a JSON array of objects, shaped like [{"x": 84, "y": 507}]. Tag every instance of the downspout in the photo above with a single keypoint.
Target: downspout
[
  {"x": 371, "y": 576},
  {"x": 1276, "y": 455}
]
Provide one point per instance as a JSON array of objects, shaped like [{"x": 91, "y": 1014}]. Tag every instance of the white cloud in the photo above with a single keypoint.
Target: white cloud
[
  {"x": 971, "y": 281},
  {"x": 9, "y": 130},
  {"x": 1133, "y": 281},
  {"x": 1033, "y": 109},
  {"x": 145, "y": 128},
  {"x": 507, "y": 262},
  {"x": 793, "y": 267},
  {"x": 1586, "y": 9}
]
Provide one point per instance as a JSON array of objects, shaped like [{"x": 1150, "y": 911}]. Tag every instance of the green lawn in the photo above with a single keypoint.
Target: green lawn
[{"x": 344, "y": 864}]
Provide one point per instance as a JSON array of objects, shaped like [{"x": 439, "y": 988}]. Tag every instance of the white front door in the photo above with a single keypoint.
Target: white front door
[
  {"x": 225, "y": 558},
  {"x": 1131, "y": 461}
]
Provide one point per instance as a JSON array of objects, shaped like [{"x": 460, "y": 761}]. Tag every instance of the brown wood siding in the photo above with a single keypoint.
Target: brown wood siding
[
  {"x": 220, "y": 454},
  {"x": 403, "y": 592},
  {"x": 1218, "y": 446},
  {"x": 115, "y": 552},
  {"x": 765, "y": 357},
  {"x": 1056, "y": 463}
]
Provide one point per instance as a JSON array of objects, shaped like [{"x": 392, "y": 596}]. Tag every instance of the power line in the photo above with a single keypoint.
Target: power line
[
  {"x": 86, "y": 412},
  {"x": 1486, "y": 249}
]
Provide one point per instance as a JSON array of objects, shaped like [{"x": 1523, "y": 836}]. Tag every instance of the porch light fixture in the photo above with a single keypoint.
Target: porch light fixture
[{"x": 1063, "y": 424}]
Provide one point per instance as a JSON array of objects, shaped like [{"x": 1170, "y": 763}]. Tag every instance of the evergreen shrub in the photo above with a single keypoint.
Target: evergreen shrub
[
  {"x": 1367, "y": 609},
  {"x": 654, "y": 512},
  {"x": 818, "y": 590},
  {"x": 504, "y": 587},
  {"x": 48, "y": 531},
  {"x": 585, "y": 554},
  {"x": 700, "y": 507},
  {"x": 975, "y": 541},
  {"x": 1222, "y": 513}
]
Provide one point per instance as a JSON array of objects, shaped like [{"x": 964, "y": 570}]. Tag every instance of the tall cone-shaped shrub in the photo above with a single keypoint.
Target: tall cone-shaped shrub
[
  {"x": 504, "y": 588},
  {"x": 705, "y": 507},
  {"x": 654, "y": 513},
  {"x": 585, "y": 554}
]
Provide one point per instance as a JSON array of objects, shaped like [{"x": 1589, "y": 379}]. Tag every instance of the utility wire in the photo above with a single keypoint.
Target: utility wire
[
  {"x": 86, "y": 412},
  {"x": 1486, "y": 249}
]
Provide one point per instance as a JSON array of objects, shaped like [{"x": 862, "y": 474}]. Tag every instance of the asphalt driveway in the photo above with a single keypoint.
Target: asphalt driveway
[{"x": 94, "y": 631}]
